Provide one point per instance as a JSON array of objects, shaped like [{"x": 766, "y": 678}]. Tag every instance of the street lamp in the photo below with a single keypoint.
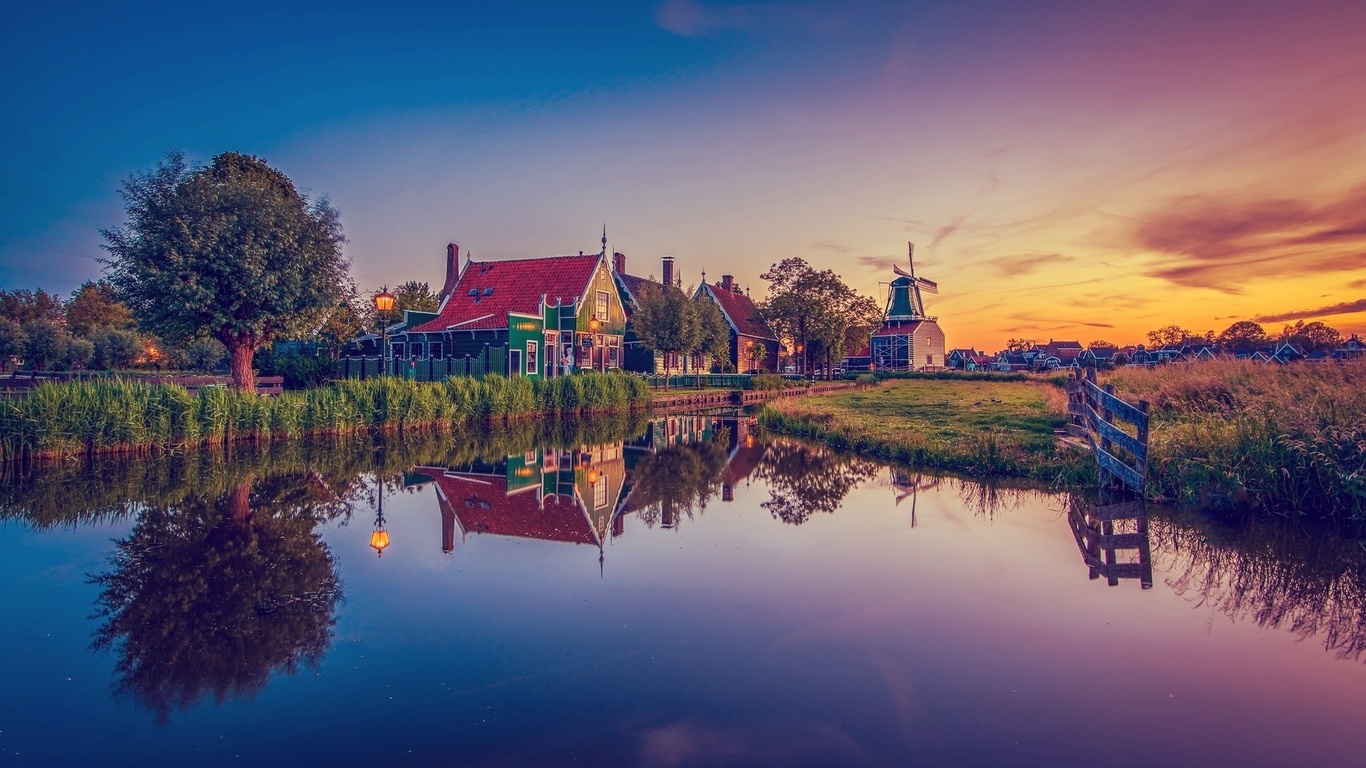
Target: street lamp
[
  {"x": 593, "y": 326},
  {"x": 379, "y": 539},
  {"x": 384, "y": 304}
]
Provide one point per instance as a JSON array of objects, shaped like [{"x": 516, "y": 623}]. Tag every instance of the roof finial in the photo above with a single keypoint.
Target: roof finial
[{"x": 604, "y": 238}]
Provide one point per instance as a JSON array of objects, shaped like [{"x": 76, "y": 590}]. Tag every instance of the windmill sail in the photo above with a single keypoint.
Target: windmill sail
[{"x": 928, "y": 286}]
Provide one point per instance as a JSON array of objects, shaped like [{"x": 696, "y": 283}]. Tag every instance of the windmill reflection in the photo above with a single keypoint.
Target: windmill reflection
[
  {"x": 1112, "y": 536},
  {"x": 908, "y": 484}
]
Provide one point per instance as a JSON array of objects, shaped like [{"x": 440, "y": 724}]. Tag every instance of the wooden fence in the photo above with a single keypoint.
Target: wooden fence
[
  {"x": 493, "y": 360},
  {"x": 1097, "y": 415}
]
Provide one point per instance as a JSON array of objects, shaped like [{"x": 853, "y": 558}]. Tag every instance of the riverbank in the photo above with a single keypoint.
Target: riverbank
[
  {"x": 986, "y": 427},
  {"x": 1284, "y": 440},
  {"x": 119, "y": 416}
]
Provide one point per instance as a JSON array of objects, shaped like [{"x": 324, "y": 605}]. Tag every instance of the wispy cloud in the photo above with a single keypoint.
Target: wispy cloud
[
  {"x": 1209, "y": 243},
  {"x": 1344, "y": 308},
  {"x": 1012, "y": 266},
  {"x": 693, "y": 19},
  {"x": 1357, "y": 283},
  {"x": 831, "y": 245}
]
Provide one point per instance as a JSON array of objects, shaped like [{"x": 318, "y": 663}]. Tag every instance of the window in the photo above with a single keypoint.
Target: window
[
  {"x": 929, "y": 359},
  {"x": 515, "y": 363},
  {"x": 398, "y": 350},
  {"x": 417, "y": 350},
  {"x": 602, "y": 307},
  {"x": 435, "y": 349},
  {"x": 600, "y": 493},
  {"x": 531, "y": 349}
]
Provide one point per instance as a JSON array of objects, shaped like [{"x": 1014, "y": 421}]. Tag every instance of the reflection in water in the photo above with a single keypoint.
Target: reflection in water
[
  {"x": 211, "y": 595},
  {"x": 1275, "y": 574},
  {"x": 1113, "y": 538},
  {"x": 225, "y": 581},
  {"x": 806, "y": 479}
]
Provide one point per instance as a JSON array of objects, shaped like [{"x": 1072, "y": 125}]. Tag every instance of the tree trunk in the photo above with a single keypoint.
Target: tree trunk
[{"x": 241, "y": 353}]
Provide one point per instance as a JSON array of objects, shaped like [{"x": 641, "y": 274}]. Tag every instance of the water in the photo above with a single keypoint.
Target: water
[{"x": 610, "y": 599}]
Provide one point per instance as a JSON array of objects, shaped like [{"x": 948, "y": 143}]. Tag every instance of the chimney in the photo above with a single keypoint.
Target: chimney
[
  {"x": 728, "y": 283},
  {"x": 668, "y": 270},
  {"x": 452, "y": 270},
  {"x": 619, "y": 262}
]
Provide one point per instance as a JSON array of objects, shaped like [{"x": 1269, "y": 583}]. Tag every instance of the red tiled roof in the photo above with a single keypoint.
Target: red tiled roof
[
  {"x": 633, "y": 283},
  {"x": 898, "y": 327},
  {"x": 518, "y": 285},
  {"x": 483, "y": 505},
  {"x": 741, "y": 312}
]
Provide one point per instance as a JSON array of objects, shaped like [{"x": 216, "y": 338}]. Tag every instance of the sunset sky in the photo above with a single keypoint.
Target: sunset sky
[{"x": 1067, "y": 170}]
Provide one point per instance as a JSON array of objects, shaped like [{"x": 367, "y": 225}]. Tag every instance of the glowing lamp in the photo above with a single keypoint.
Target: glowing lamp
[
  {"x": 593, "y": 324},
  {"x": 592, "y": 477},
  {"x": 379, "y": 540},
  {"x": 384, "y": 301}
]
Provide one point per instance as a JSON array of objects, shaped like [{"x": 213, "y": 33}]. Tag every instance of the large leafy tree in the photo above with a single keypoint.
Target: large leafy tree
[
  {"x": 1311, "y": 336},
  {"x": 816, "y": 309},
  {"x": 416, "y": 296},
  {"x": 24, "y": 306},
  {"x": 1242, "y": 336},
  {"x": 713, "y": 334},
  {"x": 665, "y": 320},
  {"x": 96, "y": 305},
  {"x": 231, "y": 250}
]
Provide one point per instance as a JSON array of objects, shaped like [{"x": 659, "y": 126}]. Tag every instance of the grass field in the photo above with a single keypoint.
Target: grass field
[{"x": 978, "y": 427}]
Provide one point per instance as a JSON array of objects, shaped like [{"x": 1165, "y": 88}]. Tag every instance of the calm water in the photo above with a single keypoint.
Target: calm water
[{"x": 597, "y": 594}]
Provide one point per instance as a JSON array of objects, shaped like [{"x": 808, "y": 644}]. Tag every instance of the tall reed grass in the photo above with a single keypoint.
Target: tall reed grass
[
  {"x": 116, "y": 415},
  {"x": 1289, "y": 439}
]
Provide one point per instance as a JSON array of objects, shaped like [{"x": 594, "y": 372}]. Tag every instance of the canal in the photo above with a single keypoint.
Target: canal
[{"x": 669, "y": 592}]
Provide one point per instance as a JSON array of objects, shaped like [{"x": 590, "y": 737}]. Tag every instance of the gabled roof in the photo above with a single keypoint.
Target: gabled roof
[
  {"x": 1055, "y": 348},
  {"x": 633, "y": 284},
  {"x": 482, "y": 504},
  {"x": 516, "y": 285},
  {"x": 740, "y": 312}
]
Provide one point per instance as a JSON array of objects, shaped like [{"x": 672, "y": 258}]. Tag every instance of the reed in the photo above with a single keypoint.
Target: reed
[
  {"x": 117, "y": 415},
  {"x": 1289, "y": 440}
]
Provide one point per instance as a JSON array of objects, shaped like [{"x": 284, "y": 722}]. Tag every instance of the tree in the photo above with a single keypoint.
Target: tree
[
  {"x": 1242, "y": 336},
  {"x": 115, "y": 348},
  {"x": 13, "y": 342},
  {"x": 1101, "y": 344},
  {"x": 813, "y": 309},
  {"x": 415, "y": 296},
  {"x": 45, "y": 345},
  {"x": 1311, "y": 336},
  {"x": 24, "y": 306},
  {"x": 231, "y": 250},
  {"x": 79, "y": 352},
  {"x": 1168, "y": 336},
  {"x": 1018, "y": 346},
  {"x": 96, "y": 305},
  {"x": 755, "y": 352},
  {"x": 205, "y": 354},
  {"x": 665, "y": 321}
]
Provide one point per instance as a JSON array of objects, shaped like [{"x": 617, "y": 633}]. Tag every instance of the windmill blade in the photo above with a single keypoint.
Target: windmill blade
[
  {"x": 928, "y": 286},
  {"x": 899, "y": 271}
]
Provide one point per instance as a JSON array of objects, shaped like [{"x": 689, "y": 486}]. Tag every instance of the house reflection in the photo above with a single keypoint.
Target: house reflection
[
  {"x": 553, "y": 494},
  {"x": 1112, "y": 536},
  {"x": 583, "y": 494}
]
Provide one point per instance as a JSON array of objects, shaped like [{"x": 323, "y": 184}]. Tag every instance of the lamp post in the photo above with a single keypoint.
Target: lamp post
[
  {"x": 379, "y": 539},
  {"x": 800, "y": 349},
  {"x": 384, "y": 304},
  {"x": 593, "y": 326}
]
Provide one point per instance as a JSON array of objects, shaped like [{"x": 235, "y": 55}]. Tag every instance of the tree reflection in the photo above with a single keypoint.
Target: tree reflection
[
  {"x": 805, "y": 479},
  {"x": 677, "y": 480},
  {"x": 210, "y": 596},
  {"x": 1277, "y": 575}
]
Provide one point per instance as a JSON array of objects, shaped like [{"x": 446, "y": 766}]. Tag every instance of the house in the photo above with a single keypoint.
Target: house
[
  {"x": 1012, "y": 362},
  {"x": 748, "y": 332},
  {"x": 1098, "y": 357},
  {"x": 968, "y": 359},
  {"x": 909, "y": 339},
  {"x": 1287, "y": 353},
  {"x": 637, "y": 356},
  {"x": 537, "y": 317},
  {"x": 1351, "y": 349}
]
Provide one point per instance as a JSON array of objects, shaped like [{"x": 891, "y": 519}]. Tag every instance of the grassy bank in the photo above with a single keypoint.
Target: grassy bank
[
  {"x": 974, "y": 426},
  {"x": 1282, "y": 439},
  {"x": 112, "y": 415}
]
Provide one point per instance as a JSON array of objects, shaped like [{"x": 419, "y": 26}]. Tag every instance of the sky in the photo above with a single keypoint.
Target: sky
[{"x": 1088, "y": 170}]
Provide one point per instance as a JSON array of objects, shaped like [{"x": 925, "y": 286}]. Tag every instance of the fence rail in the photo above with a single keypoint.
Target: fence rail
[
  {"x": 22, "y": 382},
  {"x": 1097, "y": 415},
  {"x": 492, "y": 360}
]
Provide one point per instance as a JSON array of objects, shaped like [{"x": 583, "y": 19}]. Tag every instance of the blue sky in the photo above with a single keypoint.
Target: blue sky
[{"x": 1118, "y": 158}]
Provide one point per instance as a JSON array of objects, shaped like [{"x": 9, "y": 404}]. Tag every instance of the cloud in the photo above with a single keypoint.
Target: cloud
[
  {"x": 831, "y": 245},
  {"x": 697, "y": 20},
  {"x": 1357, "y": 283},
  {"x": 1011, "y": 266},
  {"x": 1344, "y": 308},
  {"x": 948, "y": 229},
  {"x": 1207, "y": 242}
]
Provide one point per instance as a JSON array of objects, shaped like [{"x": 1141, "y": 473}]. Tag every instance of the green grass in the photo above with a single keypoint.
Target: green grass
[
  {"x": 116, "y": 415},
  {"x": 973, "y": 426}
]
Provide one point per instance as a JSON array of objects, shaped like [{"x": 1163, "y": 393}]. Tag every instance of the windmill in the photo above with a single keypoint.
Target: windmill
[{"x": 914, "y": 306}]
